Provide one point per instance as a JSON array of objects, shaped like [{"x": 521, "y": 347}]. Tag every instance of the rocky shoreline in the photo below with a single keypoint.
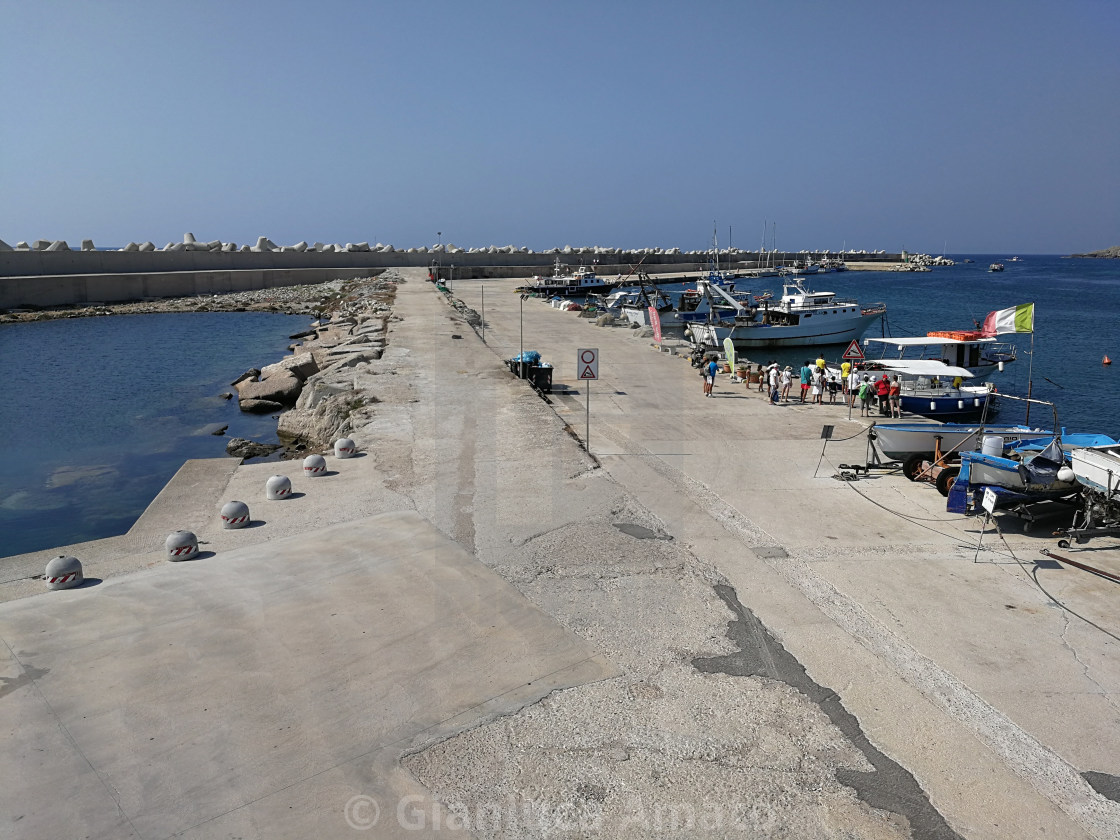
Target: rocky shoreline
[
  {"x": 311, "y": 391},
  {"x": 1107, "y": 254}
]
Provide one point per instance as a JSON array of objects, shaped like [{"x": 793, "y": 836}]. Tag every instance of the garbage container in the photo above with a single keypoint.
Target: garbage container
[{"x": 541, "y": 378}]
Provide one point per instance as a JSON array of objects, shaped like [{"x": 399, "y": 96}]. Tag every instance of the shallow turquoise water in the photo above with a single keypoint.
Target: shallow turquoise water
[{"x": 99, "y": 413}]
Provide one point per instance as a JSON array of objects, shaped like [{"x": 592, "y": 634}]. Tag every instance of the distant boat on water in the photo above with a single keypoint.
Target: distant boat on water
[{"x": 995, "y": 267}]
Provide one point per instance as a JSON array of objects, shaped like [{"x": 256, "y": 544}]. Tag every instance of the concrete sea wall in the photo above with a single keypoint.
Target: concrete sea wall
[{"x": 33, "y": 278}]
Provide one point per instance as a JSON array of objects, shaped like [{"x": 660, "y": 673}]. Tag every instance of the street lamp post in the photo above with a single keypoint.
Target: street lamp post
[
  {"x": 439, "y": 253},
  {"x": 521, "y": 357},
  {"x": 451, "y": 278}
]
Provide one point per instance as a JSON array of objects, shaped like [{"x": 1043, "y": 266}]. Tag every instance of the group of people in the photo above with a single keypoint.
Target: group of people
[{"x": 816, "y": 381}]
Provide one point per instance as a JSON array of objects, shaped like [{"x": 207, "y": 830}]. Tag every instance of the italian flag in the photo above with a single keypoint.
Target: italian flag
[{"x": 1017, "y": 319}]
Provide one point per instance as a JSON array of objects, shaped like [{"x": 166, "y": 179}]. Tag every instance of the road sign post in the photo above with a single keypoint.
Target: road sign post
[
  {"x": 853, "y": 354},
  {"x": 587, "y": 370}
]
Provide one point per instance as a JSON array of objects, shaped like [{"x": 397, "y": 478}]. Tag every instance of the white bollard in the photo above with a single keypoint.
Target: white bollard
[
  {"x": 63, "y": 572},
  {"x": 235, "y": 515},
  {"x": 345, "y": 448},
  {"x": 314, "y": 466},
  {"x": 278, "y": 487},
  {"x": 182, "y": 545}
]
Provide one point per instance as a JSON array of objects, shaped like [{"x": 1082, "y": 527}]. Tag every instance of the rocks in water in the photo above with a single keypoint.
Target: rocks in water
[
  {"x": 251, "y": 374},
  {"x": 281, "y": 387},
  {"x": 214, "y": 429},
  {"x": 242, "y": 448},
  {"x": 301, "y": 365},
  {"x": 253, "y": 406}
]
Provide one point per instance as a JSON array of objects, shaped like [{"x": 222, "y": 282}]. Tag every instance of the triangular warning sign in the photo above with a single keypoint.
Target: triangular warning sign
[
  {"x": 853, "y": 351},
  {"x": 587, "y": 373}
]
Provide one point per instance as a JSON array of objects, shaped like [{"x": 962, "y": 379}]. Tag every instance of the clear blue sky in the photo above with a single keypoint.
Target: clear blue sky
[{"x": 992, "y": 126}]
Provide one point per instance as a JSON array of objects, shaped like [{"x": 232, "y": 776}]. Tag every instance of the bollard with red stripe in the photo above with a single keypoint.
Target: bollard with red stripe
[
  {"x": 235, "y": 515},
  {"x": 345, "y": 448},
  {"x": 182, "y": 545},
  {"x": 314, "y": 466},
  {"x": 63, "y": 572},
  {"x": 278, "y": 487}
]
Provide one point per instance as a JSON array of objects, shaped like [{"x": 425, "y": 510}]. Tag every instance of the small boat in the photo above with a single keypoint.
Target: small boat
[
  {"x": 1097, "y": 470},
  {"x": 900, "y": 441},
  {"x": 800, "y": 267},
  {"x": 995, "y": 267},
  {"x": 581, "y": 282},
  {"x": 979, "y": 355},
  {"x": 1027, "y": 471}
]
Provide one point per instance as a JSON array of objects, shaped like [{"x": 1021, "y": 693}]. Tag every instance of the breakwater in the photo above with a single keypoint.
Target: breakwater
[{"x": 34, "y": 278}]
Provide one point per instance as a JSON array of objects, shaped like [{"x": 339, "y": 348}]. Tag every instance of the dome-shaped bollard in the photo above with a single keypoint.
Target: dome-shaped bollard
[
  {"x": 235, "y": 515},
  {"x": 182, "y": 545},
  {"x": 278, "y": 487},
  {"x": 314, "y": 465},
  {"x": 345, "y": 448},
  {"x": 63, "y": 572}
]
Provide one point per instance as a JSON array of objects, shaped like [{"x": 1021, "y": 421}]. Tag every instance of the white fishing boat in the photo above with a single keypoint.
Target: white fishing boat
[
  {"x": 801, "y": 318},
  {"x": 562, "y": 283}
]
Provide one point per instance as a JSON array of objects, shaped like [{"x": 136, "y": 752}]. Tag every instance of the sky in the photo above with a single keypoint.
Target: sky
[{"x": 960, "y": 127}]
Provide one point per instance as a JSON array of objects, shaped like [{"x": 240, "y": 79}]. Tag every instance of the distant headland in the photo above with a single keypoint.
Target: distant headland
[{"x": 1106, "y": 254}]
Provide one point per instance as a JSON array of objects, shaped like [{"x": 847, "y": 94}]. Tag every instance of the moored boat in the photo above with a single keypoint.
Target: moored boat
[
  {"x": 801, "y": 318},
  {"x": 582, "y": 281}
]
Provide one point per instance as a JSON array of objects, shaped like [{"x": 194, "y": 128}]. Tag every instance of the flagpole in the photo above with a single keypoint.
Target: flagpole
[{"x": 1030, "y": 379}]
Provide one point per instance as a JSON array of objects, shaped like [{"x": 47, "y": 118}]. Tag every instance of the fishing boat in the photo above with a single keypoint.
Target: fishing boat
[
  {"x": 562, "y": 283},
  {"x": 799, "y": 268},
  {"x": 801, "y": 318},
  {"x": 981, "y": 356},
  {"x": 995, "y": 267}
]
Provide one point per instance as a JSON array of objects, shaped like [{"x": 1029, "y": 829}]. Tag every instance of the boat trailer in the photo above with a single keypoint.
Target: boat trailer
[{"x": 1099, "y": 517}]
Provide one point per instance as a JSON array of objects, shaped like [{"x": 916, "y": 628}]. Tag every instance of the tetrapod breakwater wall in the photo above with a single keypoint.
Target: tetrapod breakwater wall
[{"x": 43, "y": 278}]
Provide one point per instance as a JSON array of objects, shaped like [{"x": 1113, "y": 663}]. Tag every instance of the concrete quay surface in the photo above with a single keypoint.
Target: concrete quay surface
[{"x": 477, "y": 628}]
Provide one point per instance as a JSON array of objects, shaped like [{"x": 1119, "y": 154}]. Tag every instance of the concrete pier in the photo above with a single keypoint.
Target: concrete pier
[{"x": 485, "y": 610}]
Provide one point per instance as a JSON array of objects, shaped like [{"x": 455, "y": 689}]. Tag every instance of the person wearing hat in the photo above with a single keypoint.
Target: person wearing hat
[{"x": 787, "y": 382}]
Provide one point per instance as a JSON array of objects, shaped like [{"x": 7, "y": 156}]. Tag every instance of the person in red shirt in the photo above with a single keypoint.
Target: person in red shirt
[
  {"x": 882, "y": 389},
  {"x": 894, "y": 393}
]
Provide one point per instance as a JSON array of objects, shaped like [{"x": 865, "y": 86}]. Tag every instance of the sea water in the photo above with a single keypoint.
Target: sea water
[
  {"x": 1077, "y": 324},
  {"x": 99, "y": 413}
]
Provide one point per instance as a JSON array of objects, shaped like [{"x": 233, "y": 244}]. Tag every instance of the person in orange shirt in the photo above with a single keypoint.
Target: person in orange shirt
[{"x": 894, "y": 393}]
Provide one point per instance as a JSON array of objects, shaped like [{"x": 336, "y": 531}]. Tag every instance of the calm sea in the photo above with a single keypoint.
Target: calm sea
[
  {"x": 1077, "y": 323},
  {"x": 99, "y": 413}
]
